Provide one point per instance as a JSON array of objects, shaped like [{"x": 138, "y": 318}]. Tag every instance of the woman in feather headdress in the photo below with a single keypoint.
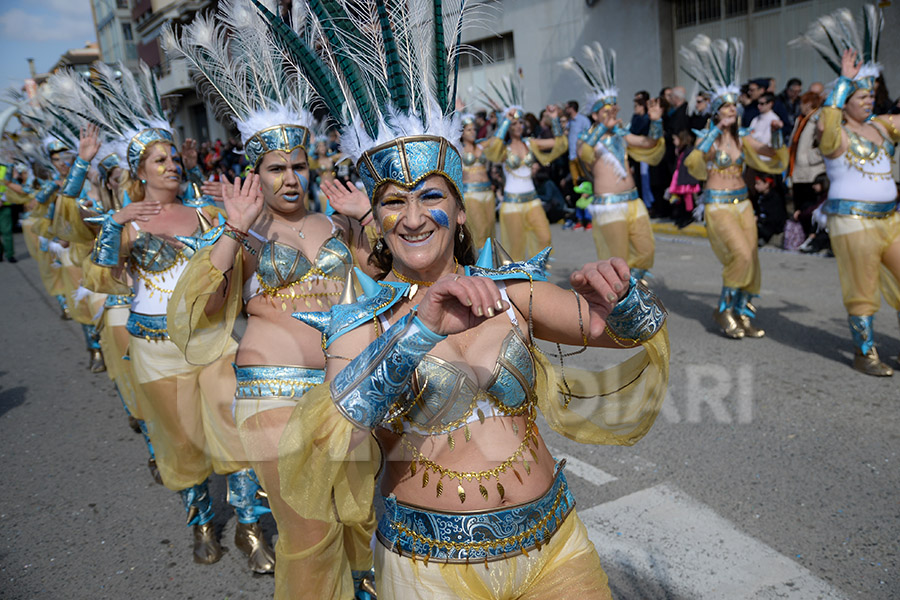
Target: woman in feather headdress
[
  {"x": 272, "y": 258},
  {"x": 719, "y": 157},
  {"x": 187, "y": 408},
  {"x": 433, "y": 374},
  {"x": 524, "y": 228},
  {"x": 479, "y": 196},
  {"x": 620, "y": 218},
  {"x": 862, "y": 197}
]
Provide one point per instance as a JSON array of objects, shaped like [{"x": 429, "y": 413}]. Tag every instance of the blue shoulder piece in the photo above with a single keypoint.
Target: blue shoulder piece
[
  {"x": 533, "y": 268},
  {"x": 378, "y": 297},
  {"x": 208, "y": 238},
  {"x": 743, "y": 131}
]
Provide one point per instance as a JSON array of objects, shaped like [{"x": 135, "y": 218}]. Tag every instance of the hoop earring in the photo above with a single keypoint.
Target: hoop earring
[{"x": 379, "y": 245}]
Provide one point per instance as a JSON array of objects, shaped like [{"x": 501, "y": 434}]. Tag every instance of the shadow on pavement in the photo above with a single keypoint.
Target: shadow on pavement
[{"x": 11, "y": 398}]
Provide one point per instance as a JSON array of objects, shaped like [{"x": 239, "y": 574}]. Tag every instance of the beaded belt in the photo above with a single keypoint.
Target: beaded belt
[
  {"x": 118, "y": 300},
  {"x": 725, "y": 196},
  {"x": 858, "y": 208},
  {"x": 478, "y": 186},
  {"x": 628, "y": 196},
  {"x": 266, "y": 381},
  {"x": 149, "y": 327},
  {"x": 479, "y": 537},
  {"x": 519, "y": 198}
]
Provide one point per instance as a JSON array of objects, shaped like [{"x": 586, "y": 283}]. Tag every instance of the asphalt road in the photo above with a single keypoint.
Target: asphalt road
[{"x": 771, "y": 473}]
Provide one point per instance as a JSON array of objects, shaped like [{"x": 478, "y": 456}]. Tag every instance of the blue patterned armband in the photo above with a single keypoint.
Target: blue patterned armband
[
  {"x": 841, "y": 92},
  {"x": 777, "y": 141},
  {"x": 706, "y": 144},
  {"x": 107, "y": 244},
  {"x": 594, "y": 134},
  {"x": 556, "y": 127},
  {"x": 365, "y": 389},
  {"x": 656, "y": 129},
  {"x": 503, "y": 128},
  {"x": 75, "y": 180},
  {"x": 195, "y": 174},
  {"x": 637, "y": 317},
  {"x": 48, "y": 189}
]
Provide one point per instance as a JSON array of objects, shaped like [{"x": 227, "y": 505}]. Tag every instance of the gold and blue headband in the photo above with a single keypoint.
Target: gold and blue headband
[
  {"x": 286, "y": 138},
  {"x": 723, "y": 99},
  {"x": 55, "y": 146},
  {"x": 141, "y": 141},
  {"x": 408, "y": 160},
  {"x": 604, "y": 101},
  {"x": 105, "y": 166}
]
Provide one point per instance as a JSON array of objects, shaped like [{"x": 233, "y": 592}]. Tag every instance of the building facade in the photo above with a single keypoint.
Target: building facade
[{"x": 115, "y": 32}]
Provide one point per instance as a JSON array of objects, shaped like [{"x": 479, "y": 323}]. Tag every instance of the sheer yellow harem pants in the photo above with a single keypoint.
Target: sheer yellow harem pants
[
  {"x": 524, "y": 229},
  {"x": 308, "y": 552},
  {"x": 188, "y": 412},
  {"x": 868, "y": 259},
  {"x": 732, "y": 234},
  {"x": 567, "y": 567},
  {"x": 480, "y": 216},
  {"x": 624, "y": 230},
  {"x": 114, "y": 340}
]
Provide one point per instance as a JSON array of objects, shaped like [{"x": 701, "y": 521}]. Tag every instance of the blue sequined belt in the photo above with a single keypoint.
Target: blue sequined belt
[
  {"x": 149, "y": 327},
  {"x": 519, "y": 198},
  {"x": 858, "y": 208},
  {"x": 475, "y": 537},
  {"x": 628, "y": 196},
  {"x": 725, "y": 196},
  {"x": 265, "y": 381},
  {"x": 479, "y": 186},
  {"x": 118, "y": 300}
]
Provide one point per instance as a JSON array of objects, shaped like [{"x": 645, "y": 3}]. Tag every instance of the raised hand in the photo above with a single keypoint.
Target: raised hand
[
  {"x": 602, "y": 284},
  {"x": 243, "y": 201},
  {"x": 89, "y": 142},
  {"x": 654, "y": 110},
  {"x": 849, "y": 66},
  {"x": 346, "y": 199},
  {"x": 141, "y": 211},
  {"x": 214, "y": 189},
  {"x": 189, "y": 154},
  {"x": 456, "y": 303},
  {"x": 552, "y": 111},
  {"x": 777, "y": 124}
]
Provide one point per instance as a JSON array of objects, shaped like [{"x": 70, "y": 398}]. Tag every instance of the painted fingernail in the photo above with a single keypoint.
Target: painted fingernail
[
  {"x": 611, "y": 297},
  {"x": 479, "y": 311},
  {"x": 499, "y": 304},
  {"x": 490, "y": 311},
  {"x": 468, "y": 302}
]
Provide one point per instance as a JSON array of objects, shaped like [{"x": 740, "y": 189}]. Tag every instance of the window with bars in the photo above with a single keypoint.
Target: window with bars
[
  {"x": 735, "y": 8},
  {"x": 693, "y": 12},
  {"x": 765, "y": 4},
  {"x": 489, "y": 50}
]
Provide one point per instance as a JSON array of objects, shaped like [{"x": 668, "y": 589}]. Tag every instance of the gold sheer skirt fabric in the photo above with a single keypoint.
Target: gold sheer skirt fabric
[
  {"x": 868, "y": 258},
  {"x": 524, "y": 229},
  {"x": 627, "y": 234},
  {"x": 732, "y": 233},
  {"x": 480, "y": 216}
]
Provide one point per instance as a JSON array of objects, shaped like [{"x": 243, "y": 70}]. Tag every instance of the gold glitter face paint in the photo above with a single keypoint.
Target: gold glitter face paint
[{"x": 389, "y": 222}]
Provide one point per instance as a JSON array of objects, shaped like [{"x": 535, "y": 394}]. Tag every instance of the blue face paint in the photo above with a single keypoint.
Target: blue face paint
[
  {"x": 440, "y": 217},
  {"x": 419, "y": 186},
  {"x": 304, "y": 182}
]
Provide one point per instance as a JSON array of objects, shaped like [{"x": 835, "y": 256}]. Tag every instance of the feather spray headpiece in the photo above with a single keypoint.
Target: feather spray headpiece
[
  {"x": 598, "y": 72},
  {"x": 831, "y": 34},
  {"x": 238, "y": 67},
  {"x": 392, "y": 66},
  {"x": 505, "y": 97},
  {"x": 716, "y": 66}
]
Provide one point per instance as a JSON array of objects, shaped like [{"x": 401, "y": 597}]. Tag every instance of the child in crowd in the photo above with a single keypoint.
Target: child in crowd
[
  {"x": 683, "y": 187},
  {"x": 771, "y": 214},
  {"x": 582, "y": 214},
  {"x": 817, "y": 241}
]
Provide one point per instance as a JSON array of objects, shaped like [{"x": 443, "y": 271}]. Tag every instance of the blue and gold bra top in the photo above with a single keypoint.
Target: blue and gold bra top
[
  {"x": 722, "y": 160},
  {"x": 156, "y": 254},
  {"x": 445, "y": 398},
  {"x": 864, "y": 149},
  {"x": 281, "y": 265},
  {"x": 514, "y": 161},
  {"x": 469, "y": 159}
]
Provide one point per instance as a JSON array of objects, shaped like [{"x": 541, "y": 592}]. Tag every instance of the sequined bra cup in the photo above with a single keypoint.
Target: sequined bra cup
[
  {"x": 281, "y": 266},
  {"x": 722, "y": 161},
  {"x": 154, "y": 254},
  {"x": 447, "y": 399},
  {"x": 514, "y": 161},
  {"x": 469, "y": 159}
]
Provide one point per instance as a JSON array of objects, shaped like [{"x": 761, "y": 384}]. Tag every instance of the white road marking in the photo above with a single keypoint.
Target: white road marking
[
  {"x": 586, "y": 471},
  {"x": 663, "y": 535}
]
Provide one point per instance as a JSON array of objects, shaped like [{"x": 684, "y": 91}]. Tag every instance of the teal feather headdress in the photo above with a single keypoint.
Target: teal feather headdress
[
  {"x": 598, "y": 72},
  {"x": 831, "y": 34},
  {"x": 386, "y": 70},
  {"x": 716, "y": 66}
]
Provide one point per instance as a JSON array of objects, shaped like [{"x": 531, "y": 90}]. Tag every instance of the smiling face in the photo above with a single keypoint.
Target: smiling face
[
  {"x": 419, "y": 226},
  {"x": 859, "y": 106},
  {"x": 468, "y": 134},
  {"x": 516, "y": 129},
  {"x": 727, "y": 110},
  {"x": 159, "y": 169},
  {"x": 284, "y": 178},
  {"x": 62, "y": 161}
]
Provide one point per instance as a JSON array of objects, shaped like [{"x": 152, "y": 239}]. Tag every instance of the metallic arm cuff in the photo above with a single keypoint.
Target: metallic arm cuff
[
  {"x": 656, "y": 129},
  {"x": 107, "y": 244},
  {"x": 556, "y": 127},
  {"x": 365, "y": 389},
  {"x": 706, "y": 144},
  {"x": 48, "y": 189},
  {"x": 195, "y": 174},
  {"x": 503, "y": 128},
  {"x": 75, "y": 180},
  {"x": 843, "y": 88},
  {"x": 638, "y": 316},
  {"x": 594, "y": 134}
]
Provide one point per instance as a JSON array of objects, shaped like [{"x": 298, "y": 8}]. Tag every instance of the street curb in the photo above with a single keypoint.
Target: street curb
[{"x": 669, "y": 228}]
